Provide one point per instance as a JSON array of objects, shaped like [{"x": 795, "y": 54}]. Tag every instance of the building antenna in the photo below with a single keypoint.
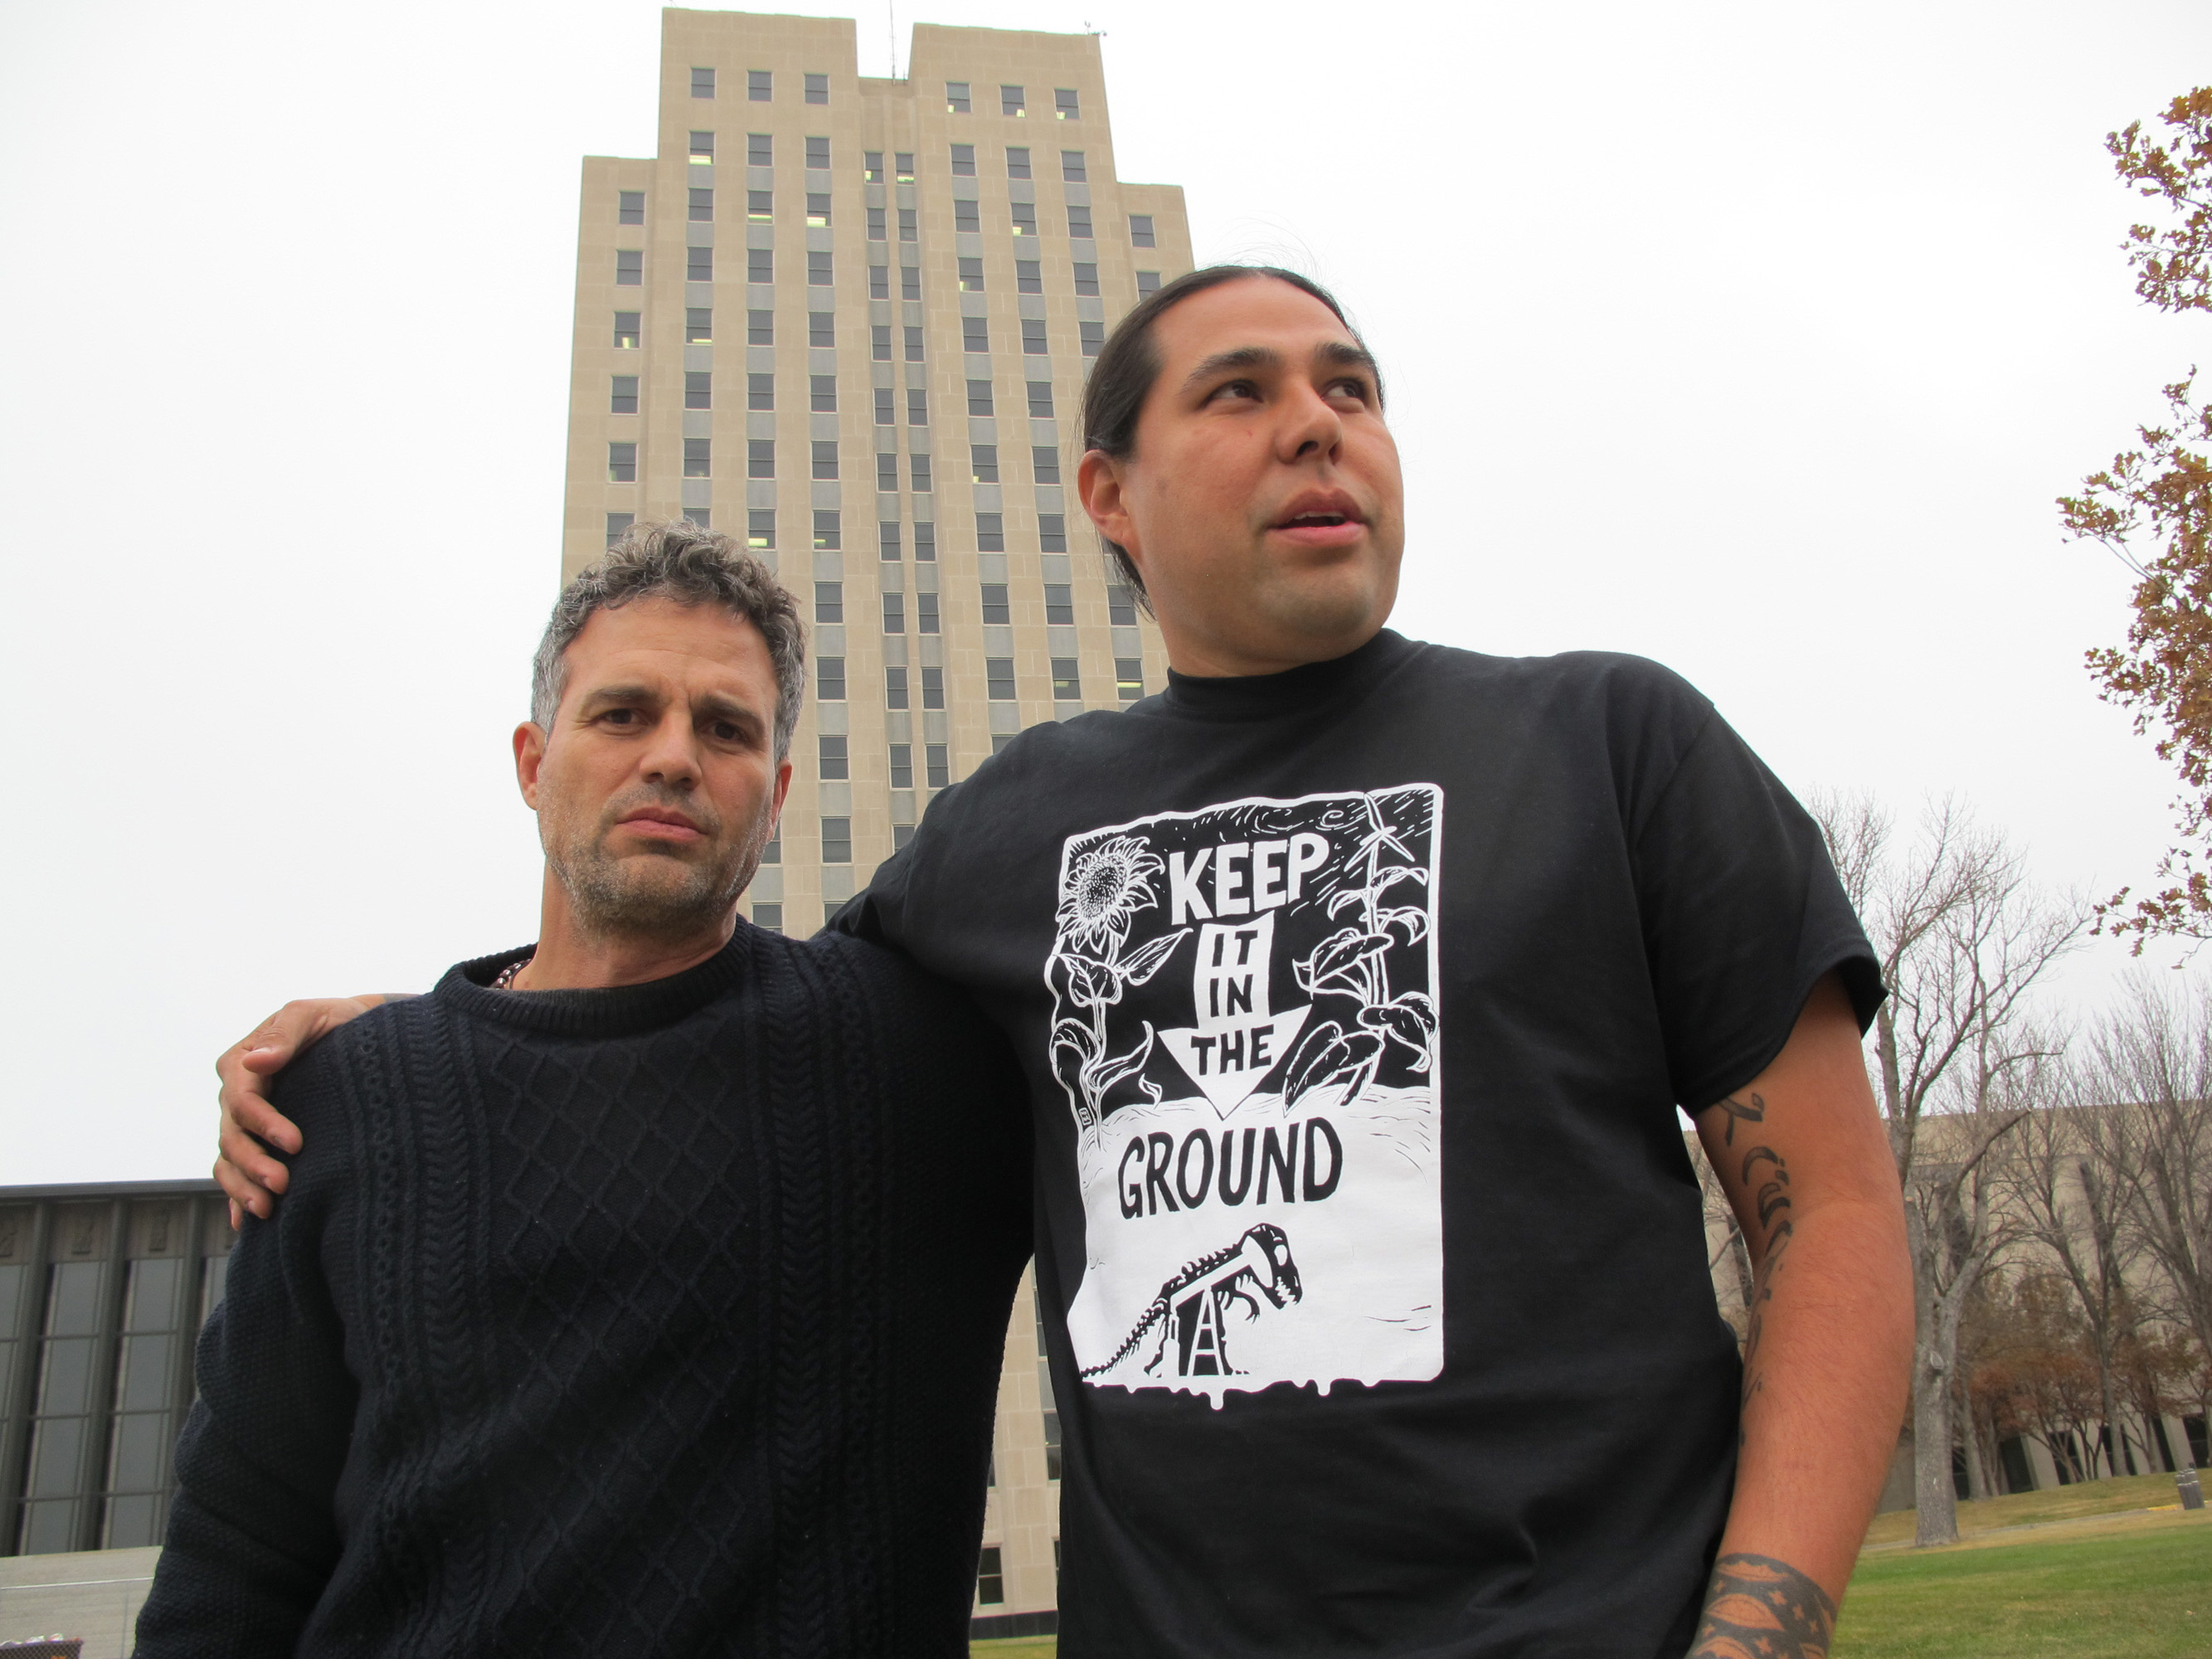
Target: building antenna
[{"x": 891, "y": 28}]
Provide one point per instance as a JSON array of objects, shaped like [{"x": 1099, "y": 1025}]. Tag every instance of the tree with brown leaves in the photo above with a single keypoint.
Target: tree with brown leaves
[{"x": 2153, "y": 508}]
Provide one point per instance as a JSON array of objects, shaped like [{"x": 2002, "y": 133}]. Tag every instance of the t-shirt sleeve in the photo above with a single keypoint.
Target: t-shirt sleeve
[
  {"x": 252, "y": 1535},
  {"x": 1742, "y": 910}
]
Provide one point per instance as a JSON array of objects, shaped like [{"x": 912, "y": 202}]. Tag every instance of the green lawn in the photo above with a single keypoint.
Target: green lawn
[
  {"x": 2129, "y": 1492},
  {"x": 1019, "y": 1647}
]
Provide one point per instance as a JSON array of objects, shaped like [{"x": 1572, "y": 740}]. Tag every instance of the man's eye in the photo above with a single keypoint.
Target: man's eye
[
  {"x": 1357, "y": 389},
  {"x": 1236, "y": 389},
  {"x": 620, "y": 716},
  {"x": 725, "y": 731}
]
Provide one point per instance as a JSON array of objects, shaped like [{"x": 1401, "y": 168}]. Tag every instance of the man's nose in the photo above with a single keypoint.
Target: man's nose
[
  {"x": 672, "y": 756},
  {"x": 1310, "y": 425}
]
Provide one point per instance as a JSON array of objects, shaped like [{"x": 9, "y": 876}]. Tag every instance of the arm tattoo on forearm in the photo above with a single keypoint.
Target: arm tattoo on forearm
[
  {"x": 1759, "y": 1607},
  {"x": 1770, "y": 1201}
]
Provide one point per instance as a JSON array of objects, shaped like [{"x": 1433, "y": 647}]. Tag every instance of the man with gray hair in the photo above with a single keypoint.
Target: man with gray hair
[{"x": 641, "y": 1291}]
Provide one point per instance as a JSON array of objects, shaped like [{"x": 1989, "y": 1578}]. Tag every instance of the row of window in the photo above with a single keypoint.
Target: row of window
[
  {"x": 760, "y": 262},
  {"x": 997, "y": 608},
  {"x": 760, "y": 88},
  {"x": 829, "y": 533},
  {"x": 997, "y": 684},
  {"x": 760, "y": 150},
  {"x": 699, "y": 385}
]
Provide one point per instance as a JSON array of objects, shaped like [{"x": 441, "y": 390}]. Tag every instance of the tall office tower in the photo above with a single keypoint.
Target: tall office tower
[{"x": 848, "y": 320}]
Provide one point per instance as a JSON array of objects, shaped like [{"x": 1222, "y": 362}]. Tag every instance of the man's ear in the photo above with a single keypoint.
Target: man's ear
[
  {"x": 782, "y": 788},
  {"x": 529, "y": 756},
  {"x": 1098, "y": 486}
]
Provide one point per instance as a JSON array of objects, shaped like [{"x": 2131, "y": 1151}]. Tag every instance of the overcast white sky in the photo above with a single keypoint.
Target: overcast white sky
[{"x": 1757, "y": 338}]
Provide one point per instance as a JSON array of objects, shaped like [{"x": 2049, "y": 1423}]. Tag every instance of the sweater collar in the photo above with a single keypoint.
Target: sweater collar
[
  {"x": 618, "y": 1010},
  {"x": 1310, "y": 685}
]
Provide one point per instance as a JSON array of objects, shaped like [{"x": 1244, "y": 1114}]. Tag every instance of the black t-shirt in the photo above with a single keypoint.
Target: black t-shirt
[{"x": 1356, "y": 1003}]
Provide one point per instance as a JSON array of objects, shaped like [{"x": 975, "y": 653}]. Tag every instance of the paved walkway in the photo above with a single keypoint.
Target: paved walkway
[{"x": 95, "y": 1595}]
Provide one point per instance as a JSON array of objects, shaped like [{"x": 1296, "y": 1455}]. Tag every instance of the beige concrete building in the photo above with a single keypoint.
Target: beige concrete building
[{"x": 848, "y": 320}]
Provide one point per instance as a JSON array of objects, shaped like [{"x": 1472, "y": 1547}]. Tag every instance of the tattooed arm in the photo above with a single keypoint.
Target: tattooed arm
[{"x": 1802, "y": 1154}]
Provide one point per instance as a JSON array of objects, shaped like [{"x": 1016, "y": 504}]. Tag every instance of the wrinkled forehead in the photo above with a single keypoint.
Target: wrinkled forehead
[
  {"x": 1250, "y": 313},
  {"x": 680, "y": 648}
]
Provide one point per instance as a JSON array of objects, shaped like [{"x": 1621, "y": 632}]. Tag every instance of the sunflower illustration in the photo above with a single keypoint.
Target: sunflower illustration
[{"x": 1106, "y": 888}]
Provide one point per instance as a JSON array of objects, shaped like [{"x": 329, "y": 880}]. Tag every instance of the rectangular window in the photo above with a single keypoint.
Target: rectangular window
[
  {"x": 933, "y": 696},
  {"x": 1071, "y": 167},
  {"x": 1059, "y": 605},
  {"x": 990, "y": 532},
  {"x": 936, "y": 756},
  {"x": 625, "y": 329},
  {"x": 872, "y": 165},
  {"x": 975, "y": 334},
  {"x": 1120, "y": 605},
  {"x": 759, "y": 85},
  {"x": 925, "y": 622},
  {"x": 1044, "y": 464},
  {"x": 822, "y": 393},
  {"x": 759, "y": 529},
  {"x": 1093, "y": 336},
  {"x": 1086, "y": 279},
  {"x": 760, "y": 149},
  {"x": 818, "y": 152},
  {"x": 629, "y": 266},
  {"x": 698, "y": 326},
  {"x": 1148, "y": 282},
  {"x": 880, "y": 345},
  {"x": 768, "y": 917},
  {"x": 698, "y": 264},
  {"x": 623, "y": 400},
  {"x": 1065, "y": 107},
  {"x": 914, "y": 345},
  {"x": 819, "y": 273},
  {"x": 827, "y": 538},
  {"x": 1029, "y": 275},
  {"x": 879, "y": 282},
  {"x": 622, "y": 462},
  {"x": 616, "y": 523},
  {"x": 1066, "y": 680},
  {"x": 1129, "y": 678},
  {"x": 760, "y": 458},
  {"x": 828, "y": 602},
  {"x": 886, "y": 467},
  {"x": 925, "y": 552},
  {"x": 1033, "y": 337},
  {"x": 998, "y": 678},
  {"x": 971, "y": 276},
  {"x": 699, "y": 516},
  {"x": 760, "y": 328},
  {"x": 903, "y": 166},
  {"x": 703, "y": 207},
  {"x": 825, "y": 458},
  {"x": 983, "y": 460},
  {"x": 908, "y": 230},
  {"x": 829, "y": 678},
  {"x": 894, "y": 693},
  {"x": 902, "y": 765},
  {"x": 917, "y": 406},
  {"x": 817, "y": 209},
  {"x": 920, "y": 464},
  {"x": 773, "y": 854},
  {"x": 886, "y": 413},
  {"x": 699, "y": 389},
  {"x": 1018, "y": 161},
  {"x": 702, "y": 151},
  {"x": 956, "y": 98},
  {"x": 760, "y": 392},
  {"x": 1140, "y": 230},
  {"x": 630, "y": 209},
  {"x": 1024, "y": 216},
  {"x": 979, "y": 397},
  {"x": 829, "y": 755},
  {"x": 1052, "y": 533},
  {"x": 822, "y": 326},
  {"x": 909, "y": 282},
  {"x": 963, "y": 160},
  {"x": 1040, "y": 400},
  {"x": 894, "y": 610},
  {"x": 1078, "y": 226},
  {"x": 837, "y": 838},
  {"x": 760, "y": 264},
  {"x": 887, "y": 532},
  {"x": 698, "y": 457},
  {"x": 817, "y": 88},
  {"x": 878, "y": 228},
  {"x": 1012, "y": 102},
  {"x": 967, "y": 215},
  {"x": 998, "y": 612}
]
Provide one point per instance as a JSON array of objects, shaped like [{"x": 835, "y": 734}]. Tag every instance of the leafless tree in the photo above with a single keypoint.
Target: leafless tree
[{"x": 1963, "y": 939}]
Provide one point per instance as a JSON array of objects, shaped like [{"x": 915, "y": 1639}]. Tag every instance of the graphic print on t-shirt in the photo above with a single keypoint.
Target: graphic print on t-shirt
[{"x": 1243, "y": 1020}]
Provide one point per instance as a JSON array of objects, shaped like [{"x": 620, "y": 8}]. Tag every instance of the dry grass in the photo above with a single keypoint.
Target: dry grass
[{"x": 2028, "y": 1509}]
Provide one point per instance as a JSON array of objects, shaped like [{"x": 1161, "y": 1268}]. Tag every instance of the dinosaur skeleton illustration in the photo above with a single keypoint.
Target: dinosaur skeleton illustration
[{"x": 1190, "y": 1308}]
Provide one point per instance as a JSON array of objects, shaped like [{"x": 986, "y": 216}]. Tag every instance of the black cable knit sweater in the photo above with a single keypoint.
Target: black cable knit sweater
[{"x": 665, "y": 1320}]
